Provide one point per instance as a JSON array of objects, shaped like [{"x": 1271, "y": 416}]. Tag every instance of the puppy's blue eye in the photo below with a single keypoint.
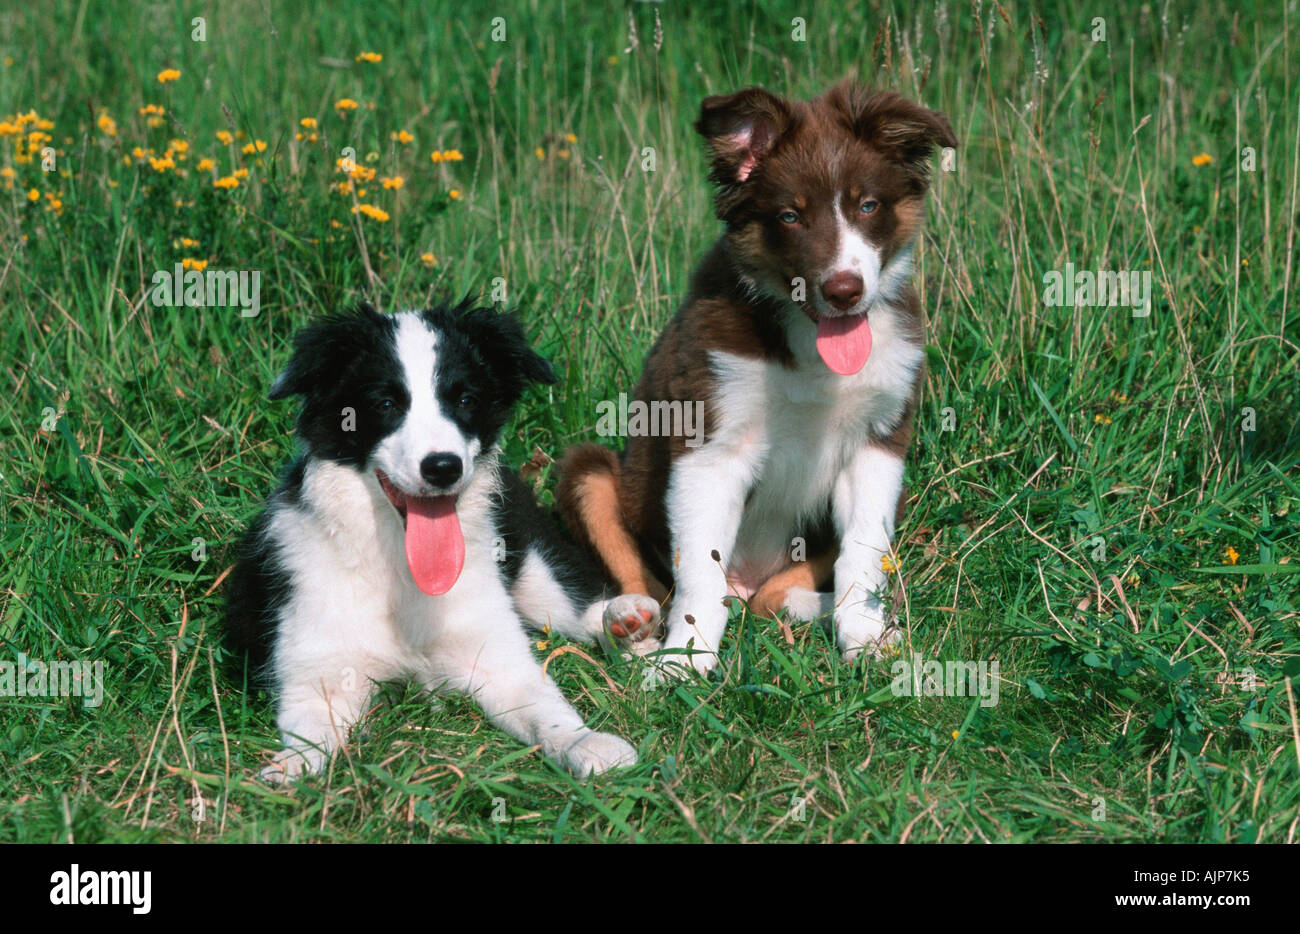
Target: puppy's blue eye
[
  {"x": 467, "y": 402},
  {"x": 868, "y": 206},
  {"x": 788, "y": 217},
  {"x": 387, "y": 404}
]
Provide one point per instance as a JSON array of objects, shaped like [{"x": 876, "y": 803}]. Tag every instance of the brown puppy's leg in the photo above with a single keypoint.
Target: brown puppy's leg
[
  {"x": 587, "y": 496},
  {"x": 810, "y": 575}
]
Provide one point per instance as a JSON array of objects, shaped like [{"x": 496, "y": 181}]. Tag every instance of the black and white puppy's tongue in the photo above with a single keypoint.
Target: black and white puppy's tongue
[
  {"x": 435, "y": 547},
  {"x": 844, "y": 343}
]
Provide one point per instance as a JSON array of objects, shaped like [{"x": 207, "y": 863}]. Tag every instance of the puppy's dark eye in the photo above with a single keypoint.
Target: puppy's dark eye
[
  {"x": 788, "y": 217},
  {"x": 467, "y": 402},
  {"x": 868, "y": 206},
  {"x": 387, "y": 404}
]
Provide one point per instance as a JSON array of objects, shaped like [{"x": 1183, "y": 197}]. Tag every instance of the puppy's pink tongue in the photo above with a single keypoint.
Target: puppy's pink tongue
[
  {"x": 844, "y": 343},
  {"x": 435, "y": 549}
]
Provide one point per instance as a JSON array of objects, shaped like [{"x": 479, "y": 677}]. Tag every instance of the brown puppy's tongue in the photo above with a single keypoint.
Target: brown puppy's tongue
[
  {"x": 844, "y": 343},
  {"x": 435, "y": 548}
]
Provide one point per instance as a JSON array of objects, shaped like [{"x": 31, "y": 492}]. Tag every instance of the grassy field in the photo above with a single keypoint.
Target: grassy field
[{"x": 1106, "y": 505}]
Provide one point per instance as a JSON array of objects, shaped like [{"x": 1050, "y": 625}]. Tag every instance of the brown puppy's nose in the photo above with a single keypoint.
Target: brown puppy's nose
[{"x": 843, "y": 290}]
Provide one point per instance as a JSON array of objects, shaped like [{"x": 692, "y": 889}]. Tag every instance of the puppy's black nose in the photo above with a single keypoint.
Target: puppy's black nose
[{"x": 441, "y": 469}]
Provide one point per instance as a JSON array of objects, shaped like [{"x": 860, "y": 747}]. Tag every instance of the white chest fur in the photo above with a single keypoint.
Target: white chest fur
[{"x": 794, "y": 431}]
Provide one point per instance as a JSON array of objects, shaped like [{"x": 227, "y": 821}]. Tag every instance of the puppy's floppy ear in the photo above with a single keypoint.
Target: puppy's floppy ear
[
  {"x": 500, "y": 338},
  {"x": 905, "y": 131},
  {"x": 320, "y": 349},
  {"x": 741, "y": 129}
]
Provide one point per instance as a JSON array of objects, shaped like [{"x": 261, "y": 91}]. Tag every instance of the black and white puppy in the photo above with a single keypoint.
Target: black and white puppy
[{"x": 397, "y": 547}]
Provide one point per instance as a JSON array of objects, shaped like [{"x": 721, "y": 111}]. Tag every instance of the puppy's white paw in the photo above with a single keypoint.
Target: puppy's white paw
[
  {"x": 632, "y": 623},
  {"x": 594, "y": 753},
  {"x": 866, "y": 628},
  {"x": 290, "y": 764}
]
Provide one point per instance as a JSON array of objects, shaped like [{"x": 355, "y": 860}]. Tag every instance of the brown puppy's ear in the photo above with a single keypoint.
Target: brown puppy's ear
[
  {"x": 906, "y": 132},
  {"x": 741, "y": 129}
]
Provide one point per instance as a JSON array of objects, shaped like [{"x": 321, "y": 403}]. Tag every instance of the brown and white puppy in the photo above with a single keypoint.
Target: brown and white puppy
[{"x": 803, "y": 337}]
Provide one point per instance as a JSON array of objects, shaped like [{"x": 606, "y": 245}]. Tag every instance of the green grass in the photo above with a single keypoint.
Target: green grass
[{"x": 1122, "y": 661}]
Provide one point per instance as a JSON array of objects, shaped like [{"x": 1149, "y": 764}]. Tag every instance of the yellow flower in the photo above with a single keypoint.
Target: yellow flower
[
  {"x": 55, "y": 205},
  {"x": 1231, "y": 554},
  {"x": 343, "y": 188},
  {"x": 956, "y": 733},
  {"x": 446, "y": 155},
  {"x": 371, "y": 57},
  {"x": 570, "y": 138},
  {"x": 255, "y": 146},
  {"x": 402, "y": 137},
  {"x": 307, "y": 123},
  {"x": 562, "y": 153},
  {"x": 540, "y": 153},
  {"x": 227, "y": 182},
  {"x": 179, "y": 145},
  {"x": 205, "y": 165},
  {"x": 7, "y": 172},
  {"x": 395, "y": 182},
  {"x": 189, "y": 243},
  {"x": 240, "y": 173},
  {"x": 1101, "y": 419},
  {"x": 224, "y": 137},
  {"x": 1202, "y": 159},
  {"x": 343, "y": 104},
  {"x": 428, "y": 259},
  {"x": 888, "y": 564},
  {"x": 151, "y": 110},
  {"x": 9, "y": 129},
  {"x": 198, "y": 265},
  {"x": 334, "y": 223},
  {"x": 372, "y": 212},
  {"x": 107, "y": 125},
  {"x": 168, "y": 74},
  {"x": 163, "y": 164},
  {"x": 33, "y": 195},
  {"x": 454, "y": 194}
]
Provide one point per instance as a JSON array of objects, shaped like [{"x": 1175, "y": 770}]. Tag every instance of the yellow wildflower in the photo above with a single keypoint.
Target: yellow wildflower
[
  {"x": 228, "y": 181},
  {"x": 1231, "y": 554},
  {"x": 205, "y": 165},
  {"x": 307, "y": 123},
  {"x": 1101, "y": 419},
  {"x": 163, "y": 164},
  {"x": 224, "y": 137},
  {"x": 344, "y": 104},
  {"x": 395, "y": 182},
  {"x": 33, "y": 195},
  {"x": 371, "y": 211},
  {"x": 1202, "y": 159},
  {"x": 428, "y": 259},
  {"x": 107, "y": 125},
  {"x": 151, "y": 110},
  {"x": 888, "y": 564},
  {"x": 168, "y": 74},
  {"x": 371, "y": 57},
  {"x": 240, "y": 173},
  {"x": 189, "y": 242},
  {"x": 198, "y": 265},
  {"x": 570, "y": 138},
  {"x": 402, "y": 137},
  {"x": 454, "y": 194}
]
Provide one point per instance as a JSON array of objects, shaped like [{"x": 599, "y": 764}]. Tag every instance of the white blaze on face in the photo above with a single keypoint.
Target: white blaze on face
[
  {"x": 854, "y": 254},
  {"x": 426, "y": 429}
]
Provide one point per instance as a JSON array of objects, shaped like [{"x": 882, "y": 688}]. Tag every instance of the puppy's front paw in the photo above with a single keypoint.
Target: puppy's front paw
[
  {"x": 290, "y": 764},
  {"x": 632, "y": 623},
  {"x": 866, "y": 628},
  {"x": 594, "y": 753}
]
